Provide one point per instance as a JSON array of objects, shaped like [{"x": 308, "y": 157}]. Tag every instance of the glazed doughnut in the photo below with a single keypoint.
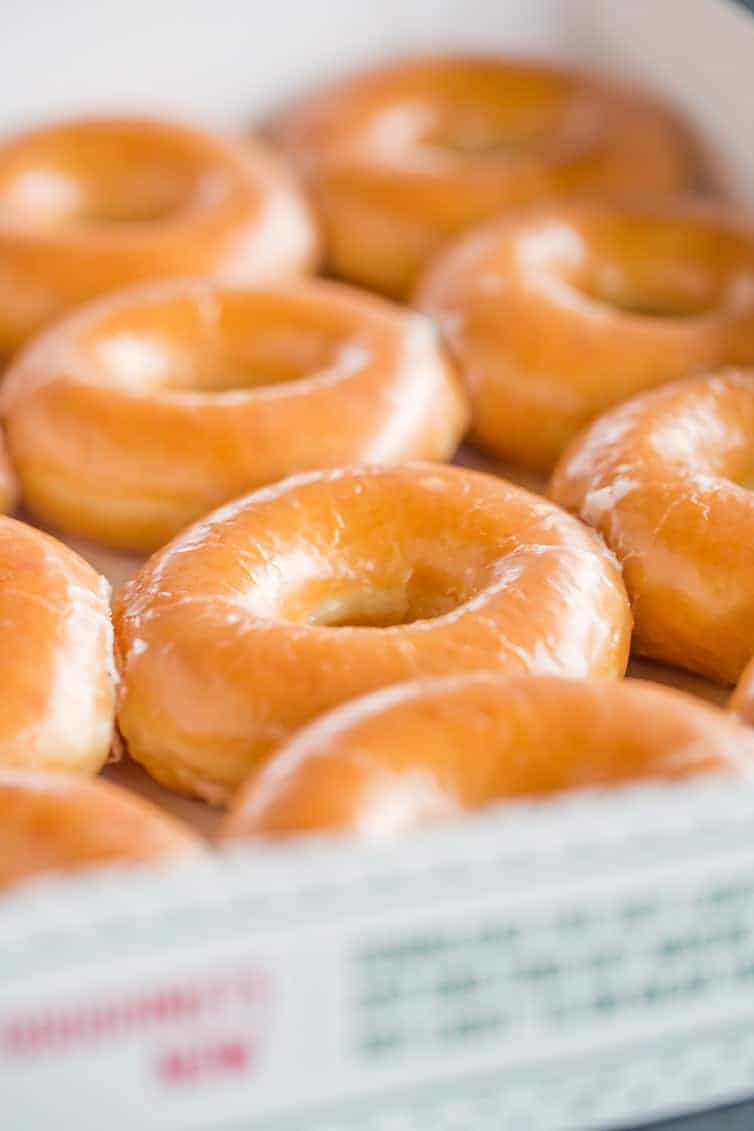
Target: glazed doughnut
[
  {"x": 147, "y": 409},
  {"x": 558, "y": 314},
  {"x": 93, "y": 204},
  {"x": 8, "y": 488},
  {"x": 56, "y": 664},
  {"x": 414, "y": 753},
  {"x": 292, "y": 600},
  {"x": 402, "y": 157},
  {"x": 665, "y": 479},
  {"x": 61, "y": 822}
]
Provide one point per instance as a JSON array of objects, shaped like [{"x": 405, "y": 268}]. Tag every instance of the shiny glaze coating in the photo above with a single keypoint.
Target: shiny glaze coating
[
  {"x": 401, "y": 158},
  {"x": 292, "y": 600},
  {"x": 151, "y": 407},
  {"x": 665, "y": 479},
  {"x": 56, "y": 664},
  {"x": 59, "y": 822},
  {"x": 417, "y": 752},
  {"x": 558, "y": 314},
  {"x": 93, "y": 204}
]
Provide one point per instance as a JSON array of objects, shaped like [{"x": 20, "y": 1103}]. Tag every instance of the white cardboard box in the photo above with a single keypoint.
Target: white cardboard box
[{"x": 587, "y": 964}]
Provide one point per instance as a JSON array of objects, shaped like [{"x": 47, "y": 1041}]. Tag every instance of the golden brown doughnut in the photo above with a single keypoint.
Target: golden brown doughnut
[
  {"x": 404, "y": 156},
  {"x": 62, "y": 822},
  {"x": 56, "y": 663},
  {"x": 294, "y": 599},
  {"x": 435, "y": 748},
  {"x": 93, "y": 204},
  {"x": 148, "y": 408},
  {"x": 665, "y": 479},
  {"x": 558, "y": 314}
]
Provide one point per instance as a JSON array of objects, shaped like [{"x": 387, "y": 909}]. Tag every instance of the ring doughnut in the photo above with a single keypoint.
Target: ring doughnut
[
  {"x": 90, "y": 205},
  {"x": 61, "y": 822},
  {"x": 147, "y": 409},
  {"x": 414, "y": 753},
  {"x": 402, "y": 157},
  {"x": 294, "y": 599},
  {"x": 558, "y": 314},
  {"x": 56, "y": 665},
  {"x": 664, "y": 478}
]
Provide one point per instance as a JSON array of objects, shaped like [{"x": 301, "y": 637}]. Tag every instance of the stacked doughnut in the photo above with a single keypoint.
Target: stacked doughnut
[{"x": 336, "y": 630}]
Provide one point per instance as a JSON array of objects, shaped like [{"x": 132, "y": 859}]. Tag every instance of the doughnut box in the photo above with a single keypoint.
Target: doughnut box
[{"x": 582, "y": 964}]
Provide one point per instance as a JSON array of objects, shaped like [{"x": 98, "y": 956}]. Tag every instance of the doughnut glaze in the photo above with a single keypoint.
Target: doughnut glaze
[
  {"x": 93, "y": 204},
  {"x": 62, "y": 823},
  {"x": 56, "y": 663},
  {"x": 417, "y": 752},
  {"x": 404, "y": 156},
  {"x": 298, "y": 597},
  {"x": 559, "y": 313},
  {"x": 147, "y": 409},
  {"x": 666, "y": 479}
]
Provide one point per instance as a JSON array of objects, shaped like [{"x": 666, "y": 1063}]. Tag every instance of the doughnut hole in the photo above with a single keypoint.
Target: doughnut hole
[
  {"x": 417, "y": 591},
  {"x": 424, "y": 595},
  {"x": 193, "y": 343},
  {"x": 423, "y": 578},
  {"x": 99, "y": 173}
]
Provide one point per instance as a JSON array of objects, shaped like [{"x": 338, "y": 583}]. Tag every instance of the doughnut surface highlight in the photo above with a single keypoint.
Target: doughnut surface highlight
[
  {"x": 561, "y": 312},
  {"x": 56, "y": 662},
  {"x": 294, "y": 599},
  {"x": 61, "y": 823},
  {"x": 93, "y": 204},
  {"x": 404, "y": 156},
  {"x": 666, "y": 479},
  {"x": 147, "y": 409},
  {"x": 418, "y": 752}
]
